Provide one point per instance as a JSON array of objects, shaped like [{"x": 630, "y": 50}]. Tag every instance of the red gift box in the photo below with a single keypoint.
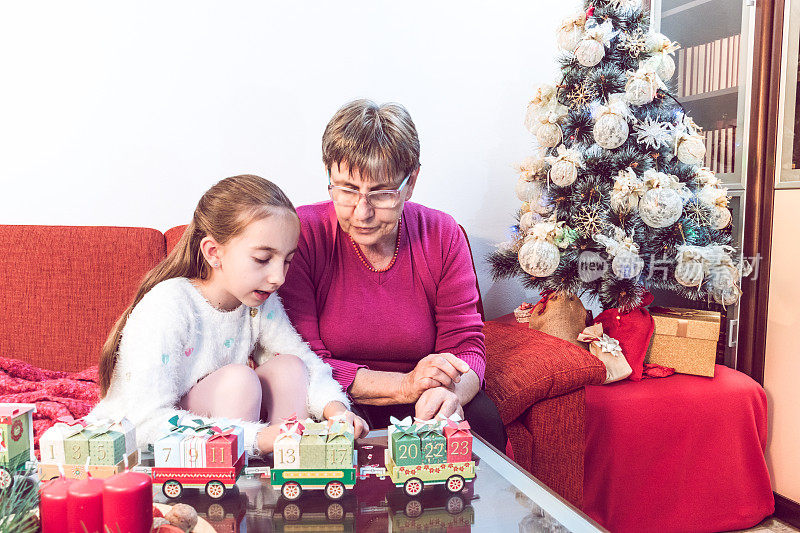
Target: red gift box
[
  {"x": 459, "y": 441},
  {"x": 221, "y": 448}
]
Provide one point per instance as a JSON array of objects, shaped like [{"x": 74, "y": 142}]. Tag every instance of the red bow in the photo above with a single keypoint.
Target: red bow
[
  {"x": 589, "y": 11},
  {"x": 217, "y": 431},
  {"x": 454, "y": 427},
  {"x": 291, "y": 420}
]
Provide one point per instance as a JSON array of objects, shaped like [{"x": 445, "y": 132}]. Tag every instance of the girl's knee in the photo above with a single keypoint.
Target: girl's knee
[
  {"x": 286, "y": 366},
  {"x": 243, "y": 380}
]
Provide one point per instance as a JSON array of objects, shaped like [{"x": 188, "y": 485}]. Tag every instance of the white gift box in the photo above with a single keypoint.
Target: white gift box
[
  {"x": 286, "y": 450},
  {"x": 193, "y": 451},
  {"x": 126, "y": 427},
  {"x": 167, "y": 450}
]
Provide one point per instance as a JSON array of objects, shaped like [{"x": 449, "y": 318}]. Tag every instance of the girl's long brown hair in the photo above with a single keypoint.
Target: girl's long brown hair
[{"x": 222, "y": 213}]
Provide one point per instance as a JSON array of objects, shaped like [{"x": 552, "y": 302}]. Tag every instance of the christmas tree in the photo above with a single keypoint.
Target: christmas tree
[{"x": 615, "y": 198}]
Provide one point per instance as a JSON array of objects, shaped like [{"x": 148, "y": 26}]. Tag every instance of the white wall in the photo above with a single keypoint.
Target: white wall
[{"x": 122, "y": 114}]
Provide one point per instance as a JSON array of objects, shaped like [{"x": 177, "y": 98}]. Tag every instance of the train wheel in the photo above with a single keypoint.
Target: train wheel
[
  {"x": 215, "y": 489},
  {"x": 334, "y": 512},
  {"x": 334, "y": 490},
  {"x": 292, "y": 512},
  {"x": 413, "y": 486},
  {"x": 172, "y": 489},
  {"x": 6, "y": 479},
  {"x": 291, "y": 490},
  {"x": 216, "y": 512},
  {"x": 455, "y": 484},
  {"x": 455, "y": 504},
  {"x": 413, "y": 508}
]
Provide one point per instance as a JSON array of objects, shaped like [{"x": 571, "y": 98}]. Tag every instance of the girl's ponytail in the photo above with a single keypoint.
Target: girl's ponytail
[{"x": 223, "y": 212}]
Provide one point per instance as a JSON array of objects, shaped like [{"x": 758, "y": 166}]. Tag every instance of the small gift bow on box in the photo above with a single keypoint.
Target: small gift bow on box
[
  {"x": 288, "y": 429},
  {"x": 600, "y": 342},
  {"x": 429, "y": 426},
  {"x": 454, "y": 427},
  {"x": 291, "y": 421},
  {"x": 69, "y": 421},
  {"x": 404, "y": 426},
  {"x": 338, "y": 429}
]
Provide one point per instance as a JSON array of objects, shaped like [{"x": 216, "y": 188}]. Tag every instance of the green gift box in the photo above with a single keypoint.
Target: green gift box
[
  {"x": 107, "y": 448},
  {"x": 339, "y": 446},
  {"x": 405, "y": 443},
  {"x": 433, "y": 443},
  {"x": 76, "y": 447},
  {"x": 312, "y": 445}
]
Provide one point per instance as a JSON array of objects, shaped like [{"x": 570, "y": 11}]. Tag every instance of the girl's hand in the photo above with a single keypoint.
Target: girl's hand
[{"x": 360, "y": 427}]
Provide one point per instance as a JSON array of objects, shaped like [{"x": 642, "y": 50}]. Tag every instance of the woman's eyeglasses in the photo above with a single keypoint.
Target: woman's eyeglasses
[{"x": 348, "y": 197}]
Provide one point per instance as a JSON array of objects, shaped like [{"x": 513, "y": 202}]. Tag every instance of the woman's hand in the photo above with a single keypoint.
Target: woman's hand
[
  {"x": 438, "y": 402},
  {"x": 434, "y": 370},
  {"x": 360, "y": 427}
]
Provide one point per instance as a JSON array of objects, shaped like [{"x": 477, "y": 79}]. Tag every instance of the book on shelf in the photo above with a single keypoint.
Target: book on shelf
[
  {"x": 708, "y": 67},
  {"x": 720, "y": 149}
]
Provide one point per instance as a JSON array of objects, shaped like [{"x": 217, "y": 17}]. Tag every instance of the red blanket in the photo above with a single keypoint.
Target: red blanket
[{"x": 55, "y": 393}]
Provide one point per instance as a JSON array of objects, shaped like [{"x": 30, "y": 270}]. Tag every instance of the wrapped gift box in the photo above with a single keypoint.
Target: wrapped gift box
[
  {"x": 167, "y": 450},
  {"x": 433, "y": 443},
  {"x": 459, "y": 441},
  {"x": 107, "y": 448},
  {"x": 685, "y": 339},
  {"x": 286, "y": 450},
  {"x": 312, "y": 444},
  {"x": 193, "y": 451},
  {"x": 221, "y": 448},
  {"x": 404, "y": 443},
  {"x": 339, "y": 446},
  {"x": 128, "y": 430}
]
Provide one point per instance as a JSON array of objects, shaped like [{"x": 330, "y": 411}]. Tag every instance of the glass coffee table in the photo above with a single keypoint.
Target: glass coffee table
[{"x": 503, "y": 497}]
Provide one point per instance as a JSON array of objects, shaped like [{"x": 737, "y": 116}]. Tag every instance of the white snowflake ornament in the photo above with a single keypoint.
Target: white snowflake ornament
[{"x": 653, "y": 133}]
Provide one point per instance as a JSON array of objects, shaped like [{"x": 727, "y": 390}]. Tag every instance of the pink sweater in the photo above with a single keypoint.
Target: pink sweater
[{"x": 355, "y": 318}]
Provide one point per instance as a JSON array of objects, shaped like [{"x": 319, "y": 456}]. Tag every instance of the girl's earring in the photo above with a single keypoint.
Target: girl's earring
[{"x": 216, "y": 265}]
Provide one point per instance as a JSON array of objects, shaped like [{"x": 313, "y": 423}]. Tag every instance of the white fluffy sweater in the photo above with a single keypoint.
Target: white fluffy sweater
[{"x": 174, "y": 337}]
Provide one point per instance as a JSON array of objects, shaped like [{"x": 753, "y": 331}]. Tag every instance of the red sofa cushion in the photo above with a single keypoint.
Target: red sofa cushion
[
  {"x": 173, "y": 235},
  {"x": 683, "y": 453},
  {"x": 524, "y": 366},
  {"x": 63, "y": 288}
]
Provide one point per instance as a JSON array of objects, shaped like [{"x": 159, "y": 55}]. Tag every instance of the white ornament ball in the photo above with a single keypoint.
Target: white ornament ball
[
  {"x": 529, "y": 191},
  {"x": 539, "y": 258},
  {"x": 627, "y": 265},
  {"x": 639, "y": 92},
  {"x": 692, "y": 150},
  {"x": 532, "y": 114},
  {"x": 569, "y": 40},
  {"x": 548, "y": 134},
  {"x": 563, "y": 173},
  {"x": 526, "y": 222},
  {"x": 727, "y": 295},
  {"x": 590, "y": 52},
  {"x": 720, "y": 217},
  {"x": 660, "y": 208},
  {"x": 610, "y": 131},
  {"x": 689, "y": 273},
  {"x": 666, "y": 67}
]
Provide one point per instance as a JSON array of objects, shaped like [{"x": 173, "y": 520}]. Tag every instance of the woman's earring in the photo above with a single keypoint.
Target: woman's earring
[{"x": 216, "y": 265}]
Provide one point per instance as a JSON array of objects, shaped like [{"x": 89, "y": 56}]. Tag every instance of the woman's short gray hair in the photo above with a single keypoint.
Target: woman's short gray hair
[{"x": 380, "y": 141}]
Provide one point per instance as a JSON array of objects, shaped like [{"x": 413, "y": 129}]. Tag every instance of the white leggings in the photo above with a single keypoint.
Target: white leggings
[{"x": 277, "y": 389}]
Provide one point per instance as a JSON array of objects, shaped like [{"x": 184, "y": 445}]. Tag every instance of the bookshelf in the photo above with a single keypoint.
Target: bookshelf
[{"x": 710, "y": 82}]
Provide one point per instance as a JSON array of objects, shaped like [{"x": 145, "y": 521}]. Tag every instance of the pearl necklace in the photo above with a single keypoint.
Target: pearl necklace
[{"x": 394, "y": 257}]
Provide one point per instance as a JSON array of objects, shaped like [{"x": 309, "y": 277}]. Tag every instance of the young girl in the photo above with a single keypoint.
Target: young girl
[{"x": 207, "y": 334}]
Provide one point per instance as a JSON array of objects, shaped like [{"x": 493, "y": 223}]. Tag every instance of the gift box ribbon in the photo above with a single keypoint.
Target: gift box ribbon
[
  {"x": 600, "y": 342},
  {"x": 454, "y": 427},
  {"x": 404, "y": 426}
]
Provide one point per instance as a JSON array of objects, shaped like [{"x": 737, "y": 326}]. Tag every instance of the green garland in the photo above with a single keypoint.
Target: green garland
[{"x": 16, "y": 504}]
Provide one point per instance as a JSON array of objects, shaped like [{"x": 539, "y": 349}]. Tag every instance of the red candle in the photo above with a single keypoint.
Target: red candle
[
  {"x": 53, "y": 505},
  {"x": 85, "y": 506},
  {"x": 128, "y": 503}
]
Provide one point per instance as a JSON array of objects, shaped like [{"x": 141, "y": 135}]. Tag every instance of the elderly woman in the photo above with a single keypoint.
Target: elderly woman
[{"x": 383, "y": 289}]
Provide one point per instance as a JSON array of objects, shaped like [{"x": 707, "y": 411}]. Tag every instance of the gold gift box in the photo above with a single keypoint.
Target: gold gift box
[{"x": 685, "y": 339}]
